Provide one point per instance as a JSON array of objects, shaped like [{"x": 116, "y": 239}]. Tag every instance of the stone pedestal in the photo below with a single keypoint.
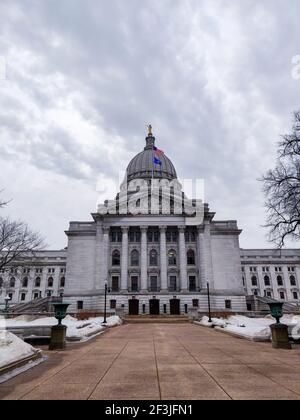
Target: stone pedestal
[
  {"x": 280, "y": 337},
  {"x": 58, "y": 337}
]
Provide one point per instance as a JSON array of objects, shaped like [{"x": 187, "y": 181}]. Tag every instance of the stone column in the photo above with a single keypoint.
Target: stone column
[
  {"x": 182, "y": 259},
  {"x": 105, "y": 251},
  {"x": 204, "y": 255},
  {"x": 144, "y": 259},
  {"x": 124, "y": 259},
  {"x": 98, "y": 281},
  {"x": 163, "y": 259}
]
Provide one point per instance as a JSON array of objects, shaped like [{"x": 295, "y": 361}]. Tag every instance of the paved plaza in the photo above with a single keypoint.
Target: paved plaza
[{"x": 162, "y": 361}]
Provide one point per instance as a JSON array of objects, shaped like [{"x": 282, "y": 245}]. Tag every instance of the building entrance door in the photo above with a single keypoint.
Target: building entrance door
[
  {"x": 175, "y": 307},
  {"x": 154, "y": 307},
  {"x": 133, "y": 307}
]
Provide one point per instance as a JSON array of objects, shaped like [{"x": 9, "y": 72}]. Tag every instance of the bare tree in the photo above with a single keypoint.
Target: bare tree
[
  {"x": 17, "y": 242},
  {"x": 282, "y": 189},
  {"x": 2, "y": 202}
]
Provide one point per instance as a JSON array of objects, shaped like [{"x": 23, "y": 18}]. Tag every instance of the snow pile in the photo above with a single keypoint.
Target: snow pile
[
  {"x": 79, "y": 330},
  {"x": 216, "y": 322},
  {"x": 13, "y": 349},
  {"x": 256, "y": 329},
  {"x": 88, "y": 328}
]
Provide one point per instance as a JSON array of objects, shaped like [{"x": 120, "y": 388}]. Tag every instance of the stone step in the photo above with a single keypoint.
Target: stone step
[{"x": 148, "y": 319}]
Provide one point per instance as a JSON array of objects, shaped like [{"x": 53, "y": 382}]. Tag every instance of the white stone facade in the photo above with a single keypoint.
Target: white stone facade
[
  {"x": 41, "y": 275},
  {"x": 272, "y": 273},
  {"x": 147, "y": 257}
]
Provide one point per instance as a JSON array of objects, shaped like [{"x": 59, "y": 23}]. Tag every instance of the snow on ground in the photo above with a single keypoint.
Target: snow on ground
[
  {"x": 257, "y": 329},
  {"x": 75, "y": 329},
  {"x": 13, "y": 349}
]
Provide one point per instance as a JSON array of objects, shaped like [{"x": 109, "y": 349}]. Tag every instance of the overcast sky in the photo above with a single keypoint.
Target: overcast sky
[{"x": 84, "y": 77}]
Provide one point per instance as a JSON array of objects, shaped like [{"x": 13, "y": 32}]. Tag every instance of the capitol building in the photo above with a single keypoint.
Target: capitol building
[{"x": 156, "y": 251}]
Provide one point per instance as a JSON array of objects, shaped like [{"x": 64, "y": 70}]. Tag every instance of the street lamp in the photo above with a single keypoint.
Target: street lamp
[
  {"x": 6, "y": 300},
  {"x": 105, "y": 298},
  {"x": 208, "y": 299}
]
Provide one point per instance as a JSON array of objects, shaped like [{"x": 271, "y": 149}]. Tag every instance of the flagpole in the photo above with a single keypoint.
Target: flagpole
[{"x": 152, "y": 163}]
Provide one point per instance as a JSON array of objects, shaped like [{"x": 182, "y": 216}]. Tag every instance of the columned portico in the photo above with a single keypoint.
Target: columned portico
[
  {"x": 124, "y": 259},
  {"x": 182, "y": 259},
  {"x": 163, "y": 259},
  {"x": 144, "y": 259}
]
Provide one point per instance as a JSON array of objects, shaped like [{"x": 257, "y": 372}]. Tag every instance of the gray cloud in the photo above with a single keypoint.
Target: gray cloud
[{"x": 214, "y": 78}]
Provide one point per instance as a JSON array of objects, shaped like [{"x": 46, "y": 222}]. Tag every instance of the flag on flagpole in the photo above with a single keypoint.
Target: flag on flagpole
[
  {"x": 158, "y": 151},
  {"x": 157, "y": 161}
]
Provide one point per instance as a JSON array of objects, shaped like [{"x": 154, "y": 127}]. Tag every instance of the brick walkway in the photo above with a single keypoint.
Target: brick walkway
[{"x": 160, "y": 361}]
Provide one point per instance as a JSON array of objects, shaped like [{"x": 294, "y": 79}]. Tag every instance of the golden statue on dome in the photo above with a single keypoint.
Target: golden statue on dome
[{"x": 150, "y": 133}]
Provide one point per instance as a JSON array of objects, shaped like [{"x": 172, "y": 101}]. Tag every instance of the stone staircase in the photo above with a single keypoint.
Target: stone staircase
[
  {"x": 153, "y": 319},
  {"x": 261, "y": 304},
  {"x": 36, "y": 306}
]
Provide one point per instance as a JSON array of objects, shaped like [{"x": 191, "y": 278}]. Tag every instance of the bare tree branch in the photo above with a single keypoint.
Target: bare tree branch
[
  {"x": 282, "y": 189},
  {"x": 17, "y": 242},
  {"x": 2, "y": 202}
]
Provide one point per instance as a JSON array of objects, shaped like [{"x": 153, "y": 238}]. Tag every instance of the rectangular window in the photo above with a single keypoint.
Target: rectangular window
[
  {"x": 173, "y": 284},
  {"x": 113, "y": 304},
  {"x": 192, "y": 283},
  {"x": 228, "y": 304},
  {"x": 195, "y": 303},
  {"x": 295, "y": 295},
  {"x": 79, "y": 305},
  {"x": 134, "y": 284},
  {"x": 115, "y": 284},
  {"x": 153, "y": 284},
  {"x": 23, "y": 296},
  {"x": 282, "y": 295}
]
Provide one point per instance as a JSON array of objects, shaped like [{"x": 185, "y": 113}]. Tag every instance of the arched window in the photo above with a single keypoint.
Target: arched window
[
  {"x": 134, "y": 258},
  {"x": 293, "y": 281},
  {"x": 25, "y": 282},
  {"x": 172, "y": 257},
  {"x": 62, "y": 282},
  {"x": 38, "y": 282},
  {"x": 153, "y": 258},
  {"x": 12, "y": 282},
  {"x": 279, "y": 281},
  {"x": 267, "y": 281},
  {"x": 190, "y": 257},
  {"x": 116, "y": 257},
  {"x": 254, "y": 281},
  {"x": 50, "y": 282}
]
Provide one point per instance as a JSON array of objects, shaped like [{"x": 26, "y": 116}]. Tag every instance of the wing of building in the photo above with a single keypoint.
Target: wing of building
[{"x": 154, "y": 253}]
